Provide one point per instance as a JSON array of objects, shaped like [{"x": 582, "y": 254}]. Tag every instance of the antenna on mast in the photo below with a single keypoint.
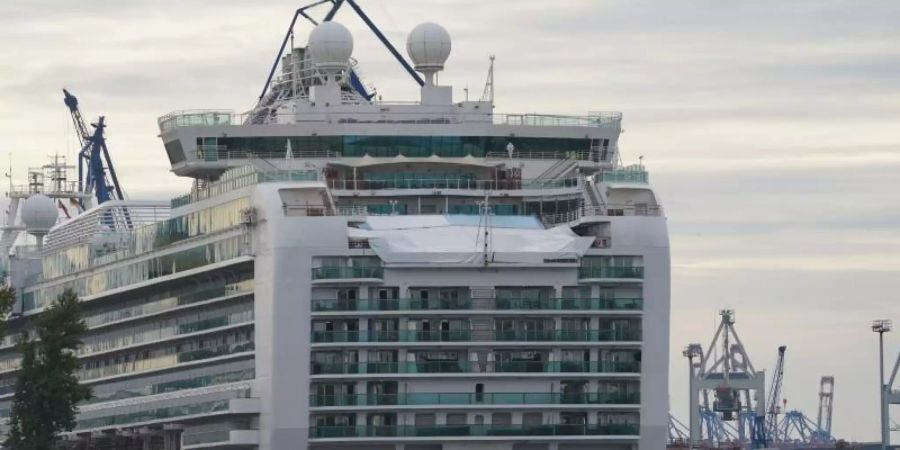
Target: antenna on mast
[
  {"x": 485, "y": 222},
  {"x": 488, "y": 95}
]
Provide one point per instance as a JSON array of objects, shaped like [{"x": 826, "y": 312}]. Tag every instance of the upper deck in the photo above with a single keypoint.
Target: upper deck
[{"x": 204, "y": 143}]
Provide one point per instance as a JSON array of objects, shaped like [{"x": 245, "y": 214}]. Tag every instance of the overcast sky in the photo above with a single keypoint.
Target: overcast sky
[{"x": 771, "y": 130}]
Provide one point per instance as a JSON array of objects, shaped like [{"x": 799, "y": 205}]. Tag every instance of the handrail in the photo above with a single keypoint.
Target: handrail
[
  {"x": 470, "y": 398},
  {"x": 472, "y": 335},
  {"x": 214, "y": 117},
  {"x": 452, "y": 183},
  {"x": 457, "y": 366},
  {"x": 400, "y": 431},
  {"x": 503, "y": 304}
]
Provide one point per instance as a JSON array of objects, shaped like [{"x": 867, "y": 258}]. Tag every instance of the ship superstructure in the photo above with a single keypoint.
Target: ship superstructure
[{"x": 348, "y": 272}]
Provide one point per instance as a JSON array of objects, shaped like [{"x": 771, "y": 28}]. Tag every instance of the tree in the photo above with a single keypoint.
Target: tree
[
  {"x": 47, "y": 388},
  {"x": 7, "y": 300}
]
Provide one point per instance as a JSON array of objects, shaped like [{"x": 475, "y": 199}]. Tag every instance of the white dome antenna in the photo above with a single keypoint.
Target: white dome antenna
[
  {"x": 428, "y": 45},
  {"x": 330, "y": 47},
  {"x": 39, "y": 214}
]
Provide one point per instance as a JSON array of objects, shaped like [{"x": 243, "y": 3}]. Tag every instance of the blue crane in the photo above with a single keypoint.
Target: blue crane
[{"x": 94, "y": 163}]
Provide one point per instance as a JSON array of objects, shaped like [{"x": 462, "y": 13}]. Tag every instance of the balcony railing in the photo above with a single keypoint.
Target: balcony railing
[
  {"x": 208, "y": 117},
  {"x": 451, "y": 183},
  {"x": 371, "y": 336},
  {"x": 466, "y": 398},
  {"x": 332, "y": 273},
  {"x": 625, "y": 176},
  {"x": 399, "y": 431},
  {"x": 610, "y": 272},
  {"x": 414, "y": 304},
  {"x": 476, "y": 367}
]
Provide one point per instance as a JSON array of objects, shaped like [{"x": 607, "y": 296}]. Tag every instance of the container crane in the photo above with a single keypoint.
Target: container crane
[
  {"x": 725, "y": 372},
  {"x": 826, "y": 398},
  {"x": 94, "y": 163}
]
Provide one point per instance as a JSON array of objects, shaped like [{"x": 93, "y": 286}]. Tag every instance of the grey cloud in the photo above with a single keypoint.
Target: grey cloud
[{"x": 769, "y": 128}]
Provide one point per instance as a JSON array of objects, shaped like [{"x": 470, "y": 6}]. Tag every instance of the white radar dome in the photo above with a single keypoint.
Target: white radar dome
[
  {"x": 39, "y": 213},
  {"x": 428, "y": 45},
  {"x": 330, "y": 46}
]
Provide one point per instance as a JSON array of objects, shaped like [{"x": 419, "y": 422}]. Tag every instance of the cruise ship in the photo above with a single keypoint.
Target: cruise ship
[{"x": 348, "y": 272}]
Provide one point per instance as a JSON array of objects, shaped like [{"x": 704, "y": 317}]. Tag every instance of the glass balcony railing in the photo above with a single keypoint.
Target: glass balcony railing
[
  {"x": 155, "y": 414},
  {"x": 571, "y": 303},
  {"x": 391, "y": 336},
  {"x": 405, "y": 304},
  {"x": 625, "y": 176},
  {"x": 610, "y": 272},
  {"x": 460, "y": 183},
  {"x": 568, "y": 335},
  {"x": 367, "y": 336},
  {"x": 366, "y": 431},
  {"x": 465, "y": 398},
  {"x": 477, "y": 367},
  {"x": 332, "y": 273}
]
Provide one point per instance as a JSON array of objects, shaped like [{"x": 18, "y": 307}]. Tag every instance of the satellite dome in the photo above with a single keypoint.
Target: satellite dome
[
  {"x": 428, "y": 45},
  {"x": 39, "y": 213},
  {"x": 330, "y": 46}
]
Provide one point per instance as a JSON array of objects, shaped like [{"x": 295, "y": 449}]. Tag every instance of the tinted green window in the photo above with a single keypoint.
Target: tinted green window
[{"x": 390, "y": 146}]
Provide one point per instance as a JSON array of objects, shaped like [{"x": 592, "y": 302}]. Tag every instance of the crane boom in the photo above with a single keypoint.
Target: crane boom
[
  {"x": 775, "y": 396},
  {"x": 82, "y": 130},
  {"x": 94, "y": 162}
]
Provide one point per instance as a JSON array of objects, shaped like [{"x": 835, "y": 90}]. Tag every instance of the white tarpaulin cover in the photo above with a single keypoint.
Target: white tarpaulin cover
[{"x": 455, "y": 240}]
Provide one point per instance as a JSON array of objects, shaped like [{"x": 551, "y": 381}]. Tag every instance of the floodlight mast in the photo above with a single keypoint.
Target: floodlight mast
[{"x": 882, "y": 326}]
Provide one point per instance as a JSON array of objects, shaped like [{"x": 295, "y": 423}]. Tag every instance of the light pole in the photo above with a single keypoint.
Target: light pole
[{"x": 882, "y": 326}]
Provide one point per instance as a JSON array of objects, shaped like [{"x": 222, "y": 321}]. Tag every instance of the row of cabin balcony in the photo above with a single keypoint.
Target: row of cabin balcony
[
  {"x": 377, "y": 273},
  {"x": 464, "y": 304},
  {"x": 474, "y": 335},
  {"x": 433, "y": 367},
  {"x": 503, "y": 432},
  {"x": 470, "y": 398}
]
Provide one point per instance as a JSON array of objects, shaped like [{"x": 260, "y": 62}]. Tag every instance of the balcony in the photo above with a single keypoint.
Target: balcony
[
  {"x": 627, "y": 272},
  {"x": 347, "y": 273},
  {"x": 615, "y": 304},
  {"x": 401, "y": 431},
  {"x": 450, "y": 183},
  {"x": 195, "y": 118},
  {"x": 635, "y": 175},
  {"x": 436, "y": 367},
  {"x": 210, "y": 117},
  {"x": 504, "y": 304},
  {"x": 371, "y": 336},
  {"x": 319, "y": 337},
  {"x": 167, "y": 414},
  {"x": 465, "y": 398}
]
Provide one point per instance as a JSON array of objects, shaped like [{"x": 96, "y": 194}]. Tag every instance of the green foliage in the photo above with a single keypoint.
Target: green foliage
[
  {"x": 7, "y": 300},
  {"x": 47, "y": 389}
]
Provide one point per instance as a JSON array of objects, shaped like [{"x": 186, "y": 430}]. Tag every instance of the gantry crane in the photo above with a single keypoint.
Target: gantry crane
[
  {"x": 826, "y": 399},
  {"x": 94, "y": 163},
  {"x": 725, "y": 371}
]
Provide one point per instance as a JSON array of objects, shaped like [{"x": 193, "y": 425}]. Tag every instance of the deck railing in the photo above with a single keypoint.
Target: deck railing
[
  {"x": 476, "y": 367},
  {"x": 468, "y": 398},
  {"x": 213, "y": 117},
  {"x": 401, "y": 431},
  {"x": 374, "y": 336},
  {"x": 415, "y": 304}
]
